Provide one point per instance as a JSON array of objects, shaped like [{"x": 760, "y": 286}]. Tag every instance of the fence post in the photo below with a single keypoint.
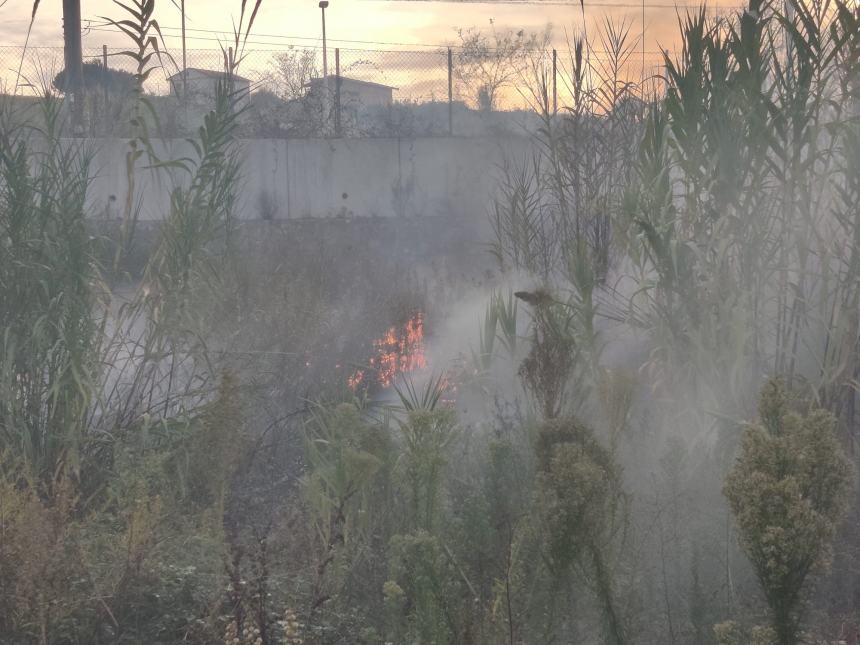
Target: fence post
[
  {"x": 184, "y": 50},
  {"x": 184, "y": 67},
  {"x": 105, "y": 75},
  {"x": 337, "y": 122},
  {"x": 554, "y": 82},
  {"x": 450, "y": 93}
]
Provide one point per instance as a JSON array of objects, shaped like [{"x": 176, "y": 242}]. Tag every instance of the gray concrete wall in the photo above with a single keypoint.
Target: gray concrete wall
[{"x": 313, "y": 178}]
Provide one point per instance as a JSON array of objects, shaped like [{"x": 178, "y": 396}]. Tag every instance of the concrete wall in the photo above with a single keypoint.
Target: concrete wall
[{"x": 311, "y": 178}]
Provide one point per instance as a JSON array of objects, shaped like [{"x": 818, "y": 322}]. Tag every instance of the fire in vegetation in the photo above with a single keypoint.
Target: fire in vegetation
[{"x": 398, "y": 351}]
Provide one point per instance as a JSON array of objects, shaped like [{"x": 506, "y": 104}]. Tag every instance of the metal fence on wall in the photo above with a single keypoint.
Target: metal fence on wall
[{"x": 439, "y": 84}]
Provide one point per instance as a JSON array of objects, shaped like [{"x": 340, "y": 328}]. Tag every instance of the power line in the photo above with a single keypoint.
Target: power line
[
  {"x": 96, "y": 26},
  {"x": 282, "y": 44},
  {"x": 279, "y": 47},
  {"x": 203, "y": 38}
]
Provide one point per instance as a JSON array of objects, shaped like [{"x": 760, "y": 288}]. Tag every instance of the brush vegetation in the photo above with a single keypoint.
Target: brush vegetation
[{"x": 654, "y": 443}]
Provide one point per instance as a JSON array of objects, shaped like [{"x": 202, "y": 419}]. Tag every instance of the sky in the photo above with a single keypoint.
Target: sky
[
  {"x": 352, "y": 25},
  {"x": 412, "y": 23}
]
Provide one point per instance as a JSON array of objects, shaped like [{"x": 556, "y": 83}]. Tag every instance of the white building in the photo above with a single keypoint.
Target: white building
[
  {"x": 353, "y": 91},
  {"x": 202, "y": 84}
]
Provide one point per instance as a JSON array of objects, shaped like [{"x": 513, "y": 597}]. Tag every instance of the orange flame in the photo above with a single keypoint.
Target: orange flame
[
  {"x": 398, "y": 351},
  {"x": 355, "y": 379}
]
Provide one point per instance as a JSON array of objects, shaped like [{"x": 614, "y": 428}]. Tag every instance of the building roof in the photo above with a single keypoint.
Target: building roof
[
  {"x": 206, "y": 72},
  {"x": 345, "y": 79}
]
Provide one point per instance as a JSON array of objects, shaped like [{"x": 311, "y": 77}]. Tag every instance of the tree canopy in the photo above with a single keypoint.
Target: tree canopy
[{"x": 96, "y": 75}]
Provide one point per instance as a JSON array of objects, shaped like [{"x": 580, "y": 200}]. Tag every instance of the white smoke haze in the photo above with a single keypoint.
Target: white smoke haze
[{"x": 594, "y": 382}]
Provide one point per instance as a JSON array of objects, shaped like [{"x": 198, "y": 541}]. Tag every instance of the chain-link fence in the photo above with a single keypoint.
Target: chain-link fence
[{"x": 306, "y": 91}]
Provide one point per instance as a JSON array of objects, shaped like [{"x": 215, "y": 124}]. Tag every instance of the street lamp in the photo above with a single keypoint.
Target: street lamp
[{"x": 323, "y": 4}]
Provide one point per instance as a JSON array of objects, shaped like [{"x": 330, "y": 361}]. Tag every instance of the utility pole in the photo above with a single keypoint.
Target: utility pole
[
  {"x": 184, "y": 67},
  {"x": 105, "y": 75},
  {"x": 642, "y": 79},
  {"x": 74, "y": 63},
  {"x": 184, "y": 52},
  {"x": 323, "y": 4}
]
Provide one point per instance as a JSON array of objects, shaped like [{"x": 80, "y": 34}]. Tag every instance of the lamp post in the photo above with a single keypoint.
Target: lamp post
[{"x": 323, "y": 4}]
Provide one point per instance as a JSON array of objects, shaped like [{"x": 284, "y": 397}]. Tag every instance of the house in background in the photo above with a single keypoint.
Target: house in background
[
  {"x": 202, "y": 84},
  {"x": 353, "y": 91}
]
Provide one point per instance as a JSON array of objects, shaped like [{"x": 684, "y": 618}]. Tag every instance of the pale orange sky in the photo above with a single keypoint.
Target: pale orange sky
[
  {"x": 429, "y": 23},
  {"x": 351, "y": 25}
]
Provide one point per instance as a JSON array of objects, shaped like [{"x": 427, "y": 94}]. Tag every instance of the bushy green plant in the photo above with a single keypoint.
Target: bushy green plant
[
  {"x": 582, "y": 505},
  {"x": 548, "y": 369},
  {"x": 426, "y": 437},
  {"x": 787, "y": 490},
  {"x": 422, "y": 575}
]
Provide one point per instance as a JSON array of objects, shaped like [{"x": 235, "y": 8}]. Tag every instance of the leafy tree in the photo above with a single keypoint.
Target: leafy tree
[
  {"x": 486, "y": 64},
  {"x": 292, "y": 71},
  {"x": 97, "y": 76},
  {"x": 787, "y": 491}
]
